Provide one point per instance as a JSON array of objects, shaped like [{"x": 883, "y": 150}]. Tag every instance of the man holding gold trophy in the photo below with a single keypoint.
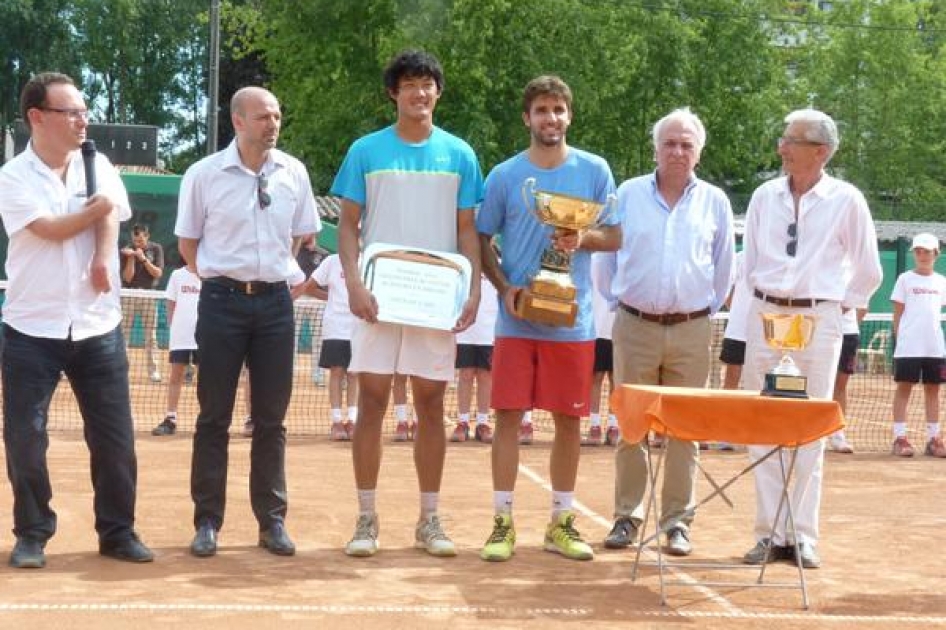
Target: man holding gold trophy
[
  {"x": 810, "y": 253},
  {"x": 550, "y": 205}
]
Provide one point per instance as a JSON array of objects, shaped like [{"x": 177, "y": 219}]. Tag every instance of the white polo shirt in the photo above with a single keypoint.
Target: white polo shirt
[
  {"x": 219, "y": 206},
  {"x": 49, "y": 290}
]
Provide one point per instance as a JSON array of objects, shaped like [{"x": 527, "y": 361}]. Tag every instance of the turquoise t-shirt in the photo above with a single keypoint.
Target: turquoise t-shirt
[{"x": 410, "y": 193}]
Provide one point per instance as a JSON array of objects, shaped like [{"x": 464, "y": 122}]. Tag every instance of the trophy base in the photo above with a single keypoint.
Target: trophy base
[
  {"x": 785, "y": 386},
  {"x": 545, "y": 309}
]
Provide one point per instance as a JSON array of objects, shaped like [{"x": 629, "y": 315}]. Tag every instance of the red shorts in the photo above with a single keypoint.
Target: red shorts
[{"x": 551, "y": 375}]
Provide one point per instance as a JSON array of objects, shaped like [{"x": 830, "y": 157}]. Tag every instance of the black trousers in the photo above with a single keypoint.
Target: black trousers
[
  {"x": 97, "y": 369},
  {"x": 233, "y": 328}
]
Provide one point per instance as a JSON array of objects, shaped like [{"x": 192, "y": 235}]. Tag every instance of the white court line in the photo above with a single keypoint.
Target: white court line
[
  {"x": 387, "y": 610},
  {"x": 606, "y": 524}
]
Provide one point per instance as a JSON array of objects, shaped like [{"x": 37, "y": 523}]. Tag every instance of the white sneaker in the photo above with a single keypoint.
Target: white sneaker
[
  {"x": 364, "y": 542},
  {"x": 430, "y": 537},
  {"x": 155, "y": 376},
  {"x": 839, "y": 444}
]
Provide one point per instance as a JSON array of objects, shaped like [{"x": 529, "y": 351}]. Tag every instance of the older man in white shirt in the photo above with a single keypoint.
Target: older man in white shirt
[
  {"x": 672, "y": 272},
  {"x": 62, "y": 314},
  {"x": 802, "y": 230}
]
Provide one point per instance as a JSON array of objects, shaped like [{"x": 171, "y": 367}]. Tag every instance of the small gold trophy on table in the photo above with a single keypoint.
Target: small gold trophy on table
[
  {"x": 786, "y": 333},
  {"x": 550, "y": 298}
]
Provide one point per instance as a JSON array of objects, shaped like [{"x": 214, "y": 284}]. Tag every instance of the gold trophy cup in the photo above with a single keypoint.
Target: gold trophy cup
[
  {"x": 786, "y": 333},
  {"x": 550, "y": 298}
]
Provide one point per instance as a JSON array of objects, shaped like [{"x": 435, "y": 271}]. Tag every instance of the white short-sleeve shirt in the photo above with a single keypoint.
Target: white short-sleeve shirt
[
  {"x": 49, "y": 289},
  {"x": 923, "y": 298},
  {"x": 483, "y": 331},
  {"x": 184, "y": 290},
  {"x": 337, "y": 320}
]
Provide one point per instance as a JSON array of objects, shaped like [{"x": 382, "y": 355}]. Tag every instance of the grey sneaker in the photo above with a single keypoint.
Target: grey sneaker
[
  {"x": 806, "y": 553},
  {"x": 364, "y": 542},
  {"x": 764, "y": 553},
  {"x": 430, "y": 537},
  {"x": 678, "y": 542},
  {"x": 622, "y": 534}
]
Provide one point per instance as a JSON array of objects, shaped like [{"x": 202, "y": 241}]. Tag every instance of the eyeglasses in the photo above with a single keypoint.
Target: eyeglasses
[
  {"x": 261, "y": 185},
  {"x": 72, "y": 114},
  {"x": 795, "y": 141},
  {"x": 792, "y": 247}
]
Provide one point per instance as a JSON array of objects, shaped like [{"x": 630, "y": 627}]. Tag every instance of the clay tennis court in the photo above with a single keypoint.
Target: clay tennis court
[{"x": 883, "y": 534}]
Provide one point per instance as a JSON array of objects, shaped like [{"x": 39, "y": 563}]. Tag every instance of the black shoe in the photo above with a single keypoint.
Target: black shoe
[
  {"x": 622, "y": 534},
  {"x": 129, "y": 549},
  {"x": 28, "y": 554},
  {"x": 167, "y": 427},
  {"x": 276, "y": 540},
  {"x": 204, "y": 544},
  {"x": 678, "y": 542}
]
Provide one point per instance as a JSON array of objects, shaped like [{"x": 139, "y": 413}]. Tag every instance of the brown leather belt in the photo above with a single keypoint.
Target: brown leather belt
[
  {"x": 789, "y": 302},
  {"x": 251, "y": 287},
  {"x": 666, "y": 319}
]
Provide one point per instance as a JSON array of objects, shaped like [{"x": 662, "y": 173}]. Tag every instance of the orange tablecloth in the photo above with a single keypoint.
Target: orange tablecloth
[{"x": 735, "y": 416}]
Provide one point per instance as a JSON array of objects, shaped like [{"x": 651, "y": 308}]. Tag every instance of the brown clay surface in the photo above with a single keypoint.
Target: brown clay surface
[{"x": 882, "y": 541}]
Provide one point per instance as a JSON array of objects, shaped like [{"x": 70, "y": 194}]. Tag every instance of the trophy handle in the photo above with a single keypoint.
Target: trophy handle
[{"x": 528, "y": 194}]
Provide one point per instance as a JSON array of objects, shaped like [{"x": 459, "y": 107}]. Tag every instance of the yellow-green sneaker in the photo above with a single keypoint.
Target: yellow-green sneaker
[
  {"x": 501, "y": 544},
  {"x": 562, "y": 537}
]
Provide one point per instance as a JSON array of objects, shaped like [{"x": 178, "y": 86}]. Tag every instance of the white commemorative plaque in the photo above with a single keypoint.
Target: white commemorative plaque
[{"x": 415, "y": 286}]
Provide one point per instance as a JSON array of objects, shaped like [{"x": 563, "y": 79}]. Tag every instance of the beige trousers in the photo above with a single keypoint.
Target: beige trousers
[{"x": 652, "y": 354}]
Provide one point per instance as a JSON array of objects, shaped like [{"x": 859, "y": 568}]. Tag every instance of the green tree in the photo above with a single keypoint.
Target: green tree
[
  {"x": 326, "y": 59},
  {"x": 140, "y": 58},
  {"x": 878, "y": 69},
  {"x": 35, "y": 37}
]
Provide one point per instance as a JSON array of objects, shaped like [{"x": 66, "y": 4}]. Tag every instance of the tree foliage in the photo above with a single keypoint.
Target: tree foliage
[{"x": 877, "y": 66}]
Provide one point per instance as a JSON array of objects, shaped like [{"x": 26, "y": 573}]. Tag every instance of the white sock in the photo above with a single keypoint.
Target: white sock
[
  {"x": 527, "y": 418},
  {"x": 465, "y": 417},
  {"x": 502, "y": 501},
  {"x": 482, "y": 418},
  {"x": 336, "y": 415},
  {"x": 428, "y": 504},
  {"x": 353, "y": 414},
  {"x": 400, "y": 413},
  {"x": 171, "y": 416},
  {"x": 932, "y": 430},
  {"x": 366, "y": 501},
  {"x": 899, "y": 429},
  {"x": 561, "y": 502},
  {"x": 612, "y": 420},
  {"x": 595, "y": 419}
]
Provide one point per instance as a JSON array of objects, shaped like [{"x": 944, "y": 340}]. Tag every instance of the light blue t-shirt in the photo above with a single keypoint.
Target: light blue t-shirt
[
  {"x": 410, "y": 193},
  {"x": 524, "y": 237}
]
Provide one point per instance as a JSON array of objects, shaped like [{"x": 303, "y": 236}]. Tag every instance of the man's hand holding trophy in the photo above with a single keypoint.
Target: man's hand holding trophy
[{"x": 550, "y": 298}]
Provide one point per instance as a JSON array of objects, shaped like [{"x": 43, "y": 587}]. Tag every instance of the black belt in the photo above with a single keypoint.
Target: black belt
[
  {"x": 252, "y": 287},
  {"x": 667, "y": 319},
  {"x": 789, "y": 302}
]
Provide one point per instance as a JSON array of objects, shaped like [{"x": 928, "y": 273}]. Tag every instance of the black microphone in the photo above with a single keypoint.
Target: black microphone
[{"x": 88, "y": 161}]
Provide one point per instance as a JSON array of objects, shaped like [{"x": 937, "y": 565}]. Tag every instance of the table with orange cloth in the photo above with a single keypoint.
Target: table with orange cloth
[
  {"x": 723, "y": 415},
  {"x": 734, "y": 416}
]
